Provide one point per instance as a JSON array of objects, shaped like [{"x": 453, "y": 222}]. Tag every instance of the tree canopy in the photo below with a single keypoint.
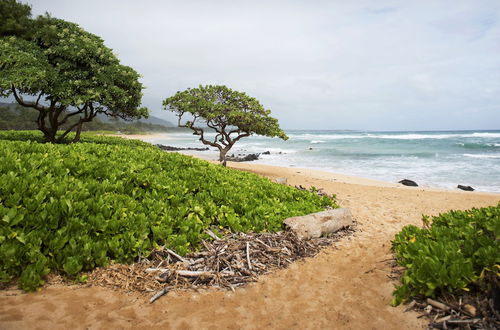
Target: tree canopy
[
  {"x": 63, "y": 71},
  {"x": 15, "y": 18},
  {"x": 231, "y": 114}
]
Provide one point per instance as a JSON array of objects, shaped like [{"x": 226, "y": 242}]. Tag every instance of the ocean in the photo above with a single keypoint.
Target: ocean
[{"x": 437, "y": 159}]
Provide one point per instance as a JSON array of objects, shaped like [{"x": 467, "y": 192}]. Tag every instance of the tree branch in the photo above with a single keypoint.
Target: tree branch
[
  {"x": 24, "y": 103},
  {"x": 197, "y": 131},
  {"x": 240, "y": 136},
  {"x": 87, "y": 117},
  {"x": 71, "y": 114}
]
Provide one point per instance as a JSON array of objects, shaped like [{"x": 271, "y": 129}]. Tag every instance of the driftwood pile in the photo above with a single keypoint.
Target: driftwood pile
[
  {"x": 228, "y": 263},
  {"x": 474, "y": 310},
  {"x": 467, "y": 312}
]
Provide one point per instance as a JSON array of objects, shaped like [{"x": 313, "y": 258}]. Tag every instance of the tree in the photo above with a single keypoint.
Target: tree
[
  {"x": 232, "y": 115},
  {"x": 65, "y": 72}
]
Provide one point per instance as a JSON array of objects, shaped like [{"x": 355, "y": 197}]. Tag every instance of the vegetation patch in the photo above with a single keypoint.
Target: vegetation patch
[
  {"x": 455, "y": 254},
  {"x": 72, "y": 207}
]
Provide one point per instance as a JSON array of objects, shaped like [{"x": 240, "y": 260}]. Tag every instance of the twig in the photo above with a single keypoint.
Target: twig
[
  {"x": 248, "y": 256},
  {"x": 464, "y": 321},
  {"x": 211, "y": 234},
  {"x": 176, "y": 255},
  {"x": 152, "y": 270},
  {"x": 443, "y": 319},
  {"x": 194, "y": 273},
  {"x": 410, "y": 306},
  {"x": 159, "y": 294},
  {"x": 437, "y": 304}
]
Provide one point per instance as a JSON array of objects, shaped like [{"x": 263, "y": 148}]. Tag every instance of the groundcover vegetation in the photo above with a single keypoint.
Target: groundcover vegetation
[
  {"x": 454, "y": 252},
  {"x": 73, "y": 207}
]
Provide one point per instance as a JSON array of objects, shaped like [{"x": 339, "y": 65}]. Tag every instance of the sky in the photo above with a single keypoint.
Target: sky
[{"x": 361, "y": 65}]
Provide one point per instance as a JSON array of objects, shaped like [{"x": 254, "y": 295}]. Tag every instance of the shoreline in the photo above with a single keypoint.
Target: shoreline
[
  {"x": 212, "y": 155},
  {"x": 275, "y": 172},
  {"x": 262, "y": 169}
]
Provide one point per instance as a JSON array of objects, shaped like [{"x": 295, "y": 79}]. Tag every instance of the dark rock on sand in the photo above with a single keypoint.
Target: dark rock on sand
[
  {"x": 406, "y": 182},
  {"x": 247, "y": 158},
  {"x": 266, "y": 152},
  {"x": 170, "y": 148},
  {"x": 466, "y": 188}
]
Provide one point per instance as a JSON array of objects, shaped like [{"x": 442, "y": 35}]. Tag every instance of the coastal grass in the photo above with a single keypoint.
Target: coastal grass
[{"x": 72, "y": 207}]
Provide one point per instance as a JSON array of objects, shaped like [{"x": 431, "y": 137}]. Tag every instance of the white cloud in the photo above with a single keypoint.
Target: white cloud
[{"x": 327, "y": 64}]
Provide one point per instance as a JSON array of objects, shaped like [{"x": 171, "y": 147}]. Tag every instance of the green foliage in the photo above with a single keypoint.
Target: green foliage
[
  {"x": 68, "y": 72},
  {"x": 15, "y": 18},
  {"x": 450, "y": 255},
  {"x": 231, "y": 114},
  {"x": 72, "y": 207}
]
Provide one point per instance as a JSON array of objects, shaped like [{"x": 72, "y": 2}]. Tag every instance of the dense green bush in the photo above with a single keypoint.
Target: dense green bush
[
  {"x": 76, "y": 206},
  {"x": 455, "y": 252}
]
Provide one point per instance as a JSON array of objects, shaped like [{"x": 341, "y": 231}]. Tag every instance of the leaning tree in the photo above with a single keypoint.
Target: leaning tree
[
  {"x": 69, "y": 76},
  {"x": 232, "y": 115}
]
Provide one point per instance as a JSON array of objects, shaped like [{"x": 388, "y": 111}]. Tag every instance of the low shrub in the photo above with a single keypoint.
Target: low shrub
[
  {"x": 73, "y": 207},
  {"x": 453, "y": 252}
]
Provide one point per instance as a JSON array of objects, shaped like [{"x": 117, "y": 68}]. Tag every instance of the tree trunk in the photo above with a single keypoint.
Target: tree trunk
[
  {"x": 50, "y": 134},
  {"x": 78, "y": 132},
  {"x": 222, "y": 157}
]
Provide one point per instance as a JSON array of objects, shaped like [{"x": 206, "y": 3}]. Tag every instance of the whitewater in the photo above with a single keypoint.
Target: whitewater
[{"x": 437, "y": 159}]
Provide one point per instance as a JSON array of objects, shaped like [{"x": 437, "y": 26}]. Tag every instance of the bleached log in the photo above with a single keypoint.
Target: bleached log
[{"x": 316, "y": 224}]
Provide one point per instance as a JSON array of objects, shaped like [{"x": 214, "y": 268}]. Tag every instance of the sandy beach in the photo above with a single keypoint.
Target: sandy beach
[
  {"x": 143, "y": 137},
  {"x": 346, "y": 286}
]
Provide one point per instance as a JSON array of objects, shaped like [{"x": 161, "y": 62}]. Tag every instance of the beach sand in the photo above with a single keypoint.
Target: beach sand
[
  {"x": 346, "y": 286},
  {"x": 142, "y": 137}
]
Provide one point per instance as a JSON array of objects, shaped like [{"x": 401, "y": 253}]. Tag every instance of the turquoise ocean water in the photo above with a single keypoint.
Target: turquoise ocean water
[{"x": 438, "y": 159}]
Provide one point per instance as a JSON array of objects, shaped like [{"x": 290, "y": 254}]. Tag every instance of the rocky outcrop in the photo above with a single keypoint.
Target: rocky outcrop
[
  {"x": 321, "y": 223},
  {"x": 410, "y": 183},
  {"x": 243, "y": 158},
  {"x": 466, "y": 188},
  {"x": 170, "y": 148}
]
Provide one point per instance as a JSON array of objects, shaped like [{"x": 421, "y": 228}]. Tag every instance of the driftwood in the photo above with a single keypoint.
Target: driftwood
[
  {"x": 159, "y": 294},
  {"x": 211, "y": 234},
  {"x": 227, "y": 262},
  {"x": 454, "y": 314},
  {"x": 320, "y": 223},
  {"x": 236, "y": 260},
  {"x": 437, "y": 304},
  {"x": 172, "y": 253}
]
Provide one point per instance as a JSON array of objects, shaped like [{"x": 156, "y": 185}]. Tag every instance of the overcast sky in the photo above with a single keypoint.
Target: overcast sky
[{"x": 369, "y": 65}]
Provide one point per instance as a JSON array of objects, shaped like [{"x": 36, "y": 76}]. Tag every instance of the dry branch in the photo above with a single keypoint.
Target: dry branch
[{"x": 229, "y": 262}]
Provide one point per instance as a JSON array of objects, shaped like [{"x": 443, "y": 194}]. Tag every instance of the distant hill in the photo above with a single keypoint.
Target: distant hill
[
  {"x": 157, "y": 121},
  {"x": 151, "y": 120},
  {"x": 10, "y": 106},
  {"x": 16, "y": 117}
]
